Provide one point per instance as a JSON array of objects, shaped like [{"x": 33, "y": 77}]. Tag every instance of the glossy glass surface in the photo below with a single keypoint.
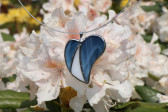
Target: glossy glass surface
[
  {"x": 76, "y": 67},
  {"x": 70, "y": 50},
  {"x": 80, "y": 59},
  {"x": 91, "y": 49}
]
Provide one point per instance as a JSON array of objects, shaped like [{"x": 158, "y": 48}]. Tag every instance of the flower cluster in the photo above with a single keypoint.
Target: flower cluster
[
  {"x": 44, "y": 62},
  {"x": 135, "y": 55}
]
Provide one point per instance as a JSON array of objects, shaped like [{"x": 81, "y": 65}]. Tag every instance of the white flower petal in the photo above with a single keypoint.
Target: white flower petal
[
  {"x": 46, "y": 91},
  {"x": 95, "y": 94},
  {"x": 121, "y": 92},
  {"x": 77, "y": 103}
]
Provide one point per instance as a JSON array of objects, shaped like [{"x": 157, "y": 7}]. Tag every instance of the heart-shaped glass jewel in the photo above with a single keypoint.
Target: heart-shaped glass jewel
[{"x": 81, "y": 55}]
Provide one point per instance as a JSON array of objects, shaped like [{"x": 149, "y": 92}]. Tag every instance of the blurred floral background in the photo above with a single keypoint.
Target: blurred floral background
[{"x": 131, "y": 75}]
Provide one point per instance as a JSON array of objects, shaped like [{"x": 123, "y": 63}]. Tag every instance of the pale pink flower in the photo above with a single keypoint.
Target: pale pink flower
[
  {"x": 9, "y": 58},
  {"x": 137, "y": 18},
  {"x": 44, "y": 62},
  {"x": 149, "y": 58},
  {"x": 162, "y": 98},
  {"x": 90, "y": 7},
  {"x": 162, "y": 27}
]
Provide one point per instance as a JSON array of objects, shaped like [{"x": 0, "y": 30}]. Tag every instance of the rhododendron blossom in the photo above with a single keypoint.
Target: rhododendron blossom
[
  {"x": 44, "y": 62},
  {"x": 131, "y": 74}
]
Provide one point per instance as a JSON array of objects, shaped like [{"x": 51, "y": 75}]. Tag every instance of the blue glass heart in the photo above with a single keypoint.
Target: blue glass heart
[{"x": 80, "y": 56}]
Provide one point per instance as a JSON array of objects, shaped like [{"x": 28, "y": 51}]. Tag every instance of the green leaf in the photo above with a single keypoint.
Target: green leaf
[
  {"x": 133, "y": 104},
  {"x": 9, "y": 79},
  {"x": 147, "y": 38},
  {"x": 155, "y": 78},
  {"x": 11, "y": 99},
  {"x": 156, "y": 8},
  {"x": 143, "y": 109},
  {"x": 7, "y": 25},
  {"x": 53, "y": 107},
  {"x": 56, "y": 106},
  {"x": 66, "y": 110},
  {"x": 28, "y": 110},
  {"x": 14, "y": 2},
  {"x": 163, "y": 45},
  {"x": 153, "y": 105},
  {"x": 147, "y": 94},
  {"x": 8, "y": 110},
  {"x": 7, "y": 37},
  {"x": 32, "y": 110},
  {"x": 124, "y": 105}
]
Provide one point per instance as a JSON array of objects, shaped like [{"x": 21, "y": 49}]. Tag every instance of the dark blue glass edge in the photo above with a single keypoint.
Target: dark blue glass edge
[
  {"x": 79, "y": 44},
  {"x": 88, "y": 80}
]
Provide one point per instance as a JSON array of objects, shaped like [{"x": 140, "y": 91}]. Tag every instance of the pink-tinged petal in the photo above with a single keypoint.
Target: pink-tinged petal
[{"x": 76, "y": 25}]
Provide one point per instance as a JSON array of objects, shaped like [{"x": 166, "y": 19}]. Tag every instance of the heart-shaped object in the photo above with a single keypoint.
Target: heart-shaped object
[{"x": 80, "y": 56}]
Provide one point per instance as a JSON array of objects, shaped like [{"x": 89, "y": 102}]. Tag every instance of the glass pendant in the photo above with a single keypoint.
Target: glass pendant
[{"x": 80, "y": 56}]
